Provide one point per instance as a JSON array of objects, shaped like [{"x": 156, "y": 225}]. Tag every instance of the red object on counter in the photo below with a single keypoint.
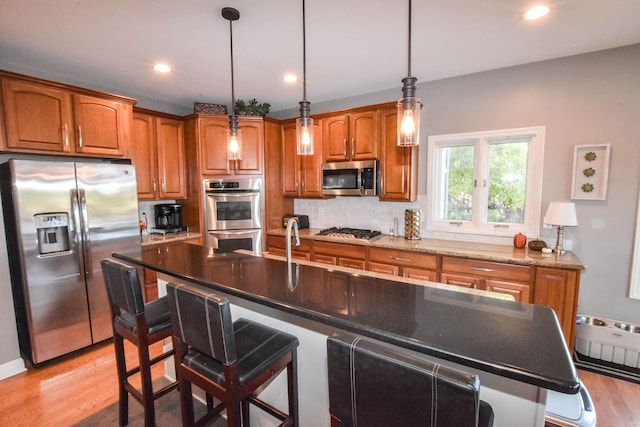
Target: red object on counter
[{"x": 519, "y": 240}]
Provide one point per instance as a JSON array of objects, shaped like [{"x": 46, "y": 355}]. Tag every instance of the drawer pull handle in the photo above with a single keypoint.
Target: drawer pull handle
[
  {"x": 482, "y": 269},
  {"x": 400, "y": 259}
]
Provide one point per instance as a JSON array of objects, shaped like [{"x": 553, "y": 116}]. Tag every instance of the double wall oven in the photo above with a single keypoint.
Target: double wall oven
[{"x": 233, "y": 213}]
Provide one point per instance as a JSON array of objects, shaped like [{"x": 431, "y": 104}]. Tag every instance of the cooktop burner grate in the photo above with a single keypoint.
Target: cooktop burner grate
[{"x": 350, "y": 233}]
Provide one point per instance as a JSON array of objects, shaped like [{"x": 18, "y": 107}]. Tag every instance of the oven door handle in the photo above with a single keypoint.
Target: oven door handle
[
  {"x": 234, "y": 194},
  {"x": 234, "y": 232}
]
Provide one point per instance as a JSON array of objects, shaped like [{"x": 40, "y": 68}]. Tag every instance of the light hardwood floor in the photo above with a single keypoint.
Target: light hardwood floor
[{"x": 68, "y": 390}]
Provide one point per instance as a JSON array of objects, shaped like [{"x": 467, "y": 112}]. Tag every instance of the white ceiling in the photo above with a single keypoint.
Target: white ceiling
[{"x": 353, "y": 46}]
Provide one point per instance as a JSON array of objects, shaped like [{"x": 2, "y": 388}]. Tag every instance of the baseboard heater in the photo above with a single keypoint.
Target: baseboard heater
[{"x": 609, "y": 340}]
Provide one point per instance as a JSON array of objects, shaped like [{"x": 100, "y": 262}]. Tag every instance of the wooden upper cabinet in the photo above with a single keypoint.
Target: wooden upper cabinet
[
  {"x": 157, "y": 151},
  {"x": 351, "y": 136},
  {"x": 50, "y": 118},
  {"x": 171, "y": 161},
  {"x": 144, "y": 155},
  {"x": 212, "y": 142},
  {"x": 213, "y": 146},
  {"x": 301, "y": 175},
  {"x": 37, "y": 117},
  {"x": 102, "y": 126},
  {"x": 398, "y": 165}
]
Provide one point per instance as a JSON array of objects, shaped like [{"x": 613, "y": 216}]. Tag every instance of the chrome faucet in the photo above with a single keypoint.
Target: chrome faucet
[{"x": 292, "y": 224}]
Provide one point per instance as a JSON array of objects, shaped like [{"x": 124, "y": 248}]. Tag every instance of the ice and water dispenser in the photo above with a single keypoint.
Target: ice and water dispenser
[{"x": 53, "y": 232}]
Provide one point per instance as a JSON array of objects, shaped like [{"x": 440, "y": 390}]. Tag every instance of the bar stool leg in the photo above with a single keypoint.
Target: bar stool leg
[
  {"x": 121, "y": 366},
  {"x": 292, "y": 387},
  {"x": 147, "y": 385}
]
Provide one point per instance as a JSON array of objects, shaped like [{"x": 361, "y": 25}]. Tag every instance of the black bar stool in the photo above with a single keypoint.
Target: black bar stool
[
  {"x": 228, "y": 360},
  {"x": 376, "y": 385},
  {"x": 141, "y": 324}
]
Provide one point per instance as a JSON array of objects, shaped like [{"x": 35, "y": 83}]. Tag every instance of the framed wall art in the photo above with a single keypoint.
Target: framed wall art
[{"x": 590, "y": 172}]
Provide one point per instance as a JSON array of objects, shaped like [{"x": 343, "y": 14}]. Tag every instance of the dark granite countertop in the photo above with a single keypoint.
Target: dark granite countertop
[{"x": 519, "y": 341}]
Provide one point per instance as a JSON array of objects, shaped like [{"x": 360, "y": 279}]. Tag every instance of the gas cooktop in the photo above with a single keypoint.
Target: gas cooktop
[{"x": 350, "y": 233}]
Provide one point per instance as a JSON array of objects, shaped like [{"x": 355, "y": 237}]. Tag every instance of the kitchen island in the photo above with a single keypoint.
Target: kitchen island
[{"x": 517, "y": 349}]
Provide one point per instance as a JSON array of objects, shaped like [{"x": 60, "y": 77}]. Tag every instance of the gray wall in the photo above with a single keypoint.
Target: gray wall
[{"x": 585, "y": 99}]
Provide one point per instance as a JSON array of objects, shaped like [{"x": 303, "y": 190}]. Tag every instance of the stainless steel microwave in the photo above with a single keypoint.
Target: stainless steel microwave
[{"x": 350, "y": 178}]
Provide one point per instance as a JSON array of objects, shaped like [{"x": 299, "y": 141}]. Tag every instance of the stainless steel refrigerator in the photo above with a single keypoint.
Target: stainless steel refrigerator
[{"x": 61, "y": 219}]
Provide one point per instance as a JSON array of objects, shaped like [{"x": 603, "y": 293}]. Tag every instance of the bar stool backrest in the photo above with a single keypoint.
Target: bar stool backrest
[
  {"x": 375, "y": 385},
  {"x": 123, "y": 286},
  {"x": 195, "y": 310}
]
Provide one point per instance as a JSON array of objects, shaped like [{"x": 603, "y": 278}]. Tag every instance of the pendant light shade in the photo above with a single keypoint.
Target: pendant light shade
[
  {"x": 304, "y": 124},
  {"x": 233, "y": 134},
  {"x": 409, "y": 106}
]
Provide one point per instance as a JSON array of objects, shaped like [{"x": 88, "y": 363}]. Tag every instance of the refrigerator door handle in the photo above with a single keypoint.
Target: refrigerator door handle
[
  {"x": 86, "y": 241},
  {"x": 77, "y": 225}
]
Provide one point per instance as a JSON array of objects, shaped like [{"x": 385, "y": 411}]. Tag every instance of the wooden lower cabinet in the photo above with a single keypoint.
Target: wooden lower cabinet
[
  {"x": 510, "y": 279},
  {"x": 558, "y": 289},
  {"x": 276, "y": 245},
  {"x": 344, "y": 255},
  {"x": 412, "y": 265},
  {"x": 164, "y": 252}
]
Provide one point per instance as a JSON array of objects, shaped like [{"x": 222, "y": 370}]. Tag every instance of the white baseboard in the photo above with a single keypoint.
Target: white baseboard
[{"x": 12, "y": 368}]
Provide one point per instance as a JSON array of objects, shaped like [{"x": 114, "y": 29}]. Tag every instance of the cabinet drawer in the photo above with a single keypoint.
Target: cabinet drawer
[
  {"x": 280, "y": 242},
  {"x": 493, "y": 270},
  {"x": 403, "y": 258},
  {"x": 339, "y": 249}
]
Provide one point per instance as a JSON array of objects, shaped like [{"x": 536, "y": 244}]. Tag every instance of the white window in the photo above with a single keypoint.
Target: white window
[{"x": 487, "y": 183}]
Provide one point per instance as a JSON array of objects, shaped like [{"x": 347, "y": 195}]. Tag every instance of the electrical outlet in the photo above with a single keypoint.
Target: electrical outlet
[{"x": 567, "y": 244}]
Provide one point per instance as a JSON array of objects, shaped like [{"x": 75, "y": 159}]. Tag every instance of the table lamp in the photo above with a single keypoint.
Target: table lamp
[{"x": 562, "y": 214}]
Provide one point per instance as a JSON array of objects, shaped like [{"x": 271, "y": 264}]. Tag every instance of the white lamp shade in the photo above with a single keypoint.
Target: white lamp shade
[{"x": 561, "y": 213}]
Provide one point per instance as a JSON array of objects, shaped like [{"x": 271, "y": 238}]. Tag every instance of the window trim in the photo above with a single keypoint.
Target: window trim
[{"x": 531, "y": 225}]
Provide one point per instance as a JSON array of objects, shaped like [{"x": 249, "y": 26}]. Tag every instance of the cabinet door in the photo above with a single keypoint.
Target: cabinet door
[
  {"x": 336, "y": 134},
  {"x": 325, "y": 259},
  {"x": 363, "y": 131},
  {"x": 378, "y": 267},
  {"x": 212, "y": 143},
  {"x": 150, "y": 289},
  {"x": 252, "y": 146},
  {"x": 37, "y": 117},
  {"x": 143, "y": 155},
  {"x": 460, "y": 280},
  {"x": 337, "y": 292},
  {"x": 352, "y": 263},
  {"x": 171, "y": 162},
  {"x": 101, "y": 126},
  {"x": 520, "y": 291},
  {"x": 558, "y": 289},
  {"x": 398, "y": 165},
  {"x": 290, "y": 162},
  {"x": 419, "y": 274}
]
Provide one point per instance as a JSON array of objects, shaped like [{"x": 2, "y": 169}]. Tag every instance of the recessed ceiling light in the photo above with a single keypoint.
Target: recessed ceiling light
[
  {"x": 536, "y": 12},
  {"x": 162, "y": 68},
  {"x": 290, "y": 78}
]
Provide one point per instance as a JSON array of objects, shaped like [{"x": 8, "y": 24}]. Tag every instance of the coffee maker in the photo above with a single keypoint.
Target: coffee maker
[{"x": 168, "y": 218}]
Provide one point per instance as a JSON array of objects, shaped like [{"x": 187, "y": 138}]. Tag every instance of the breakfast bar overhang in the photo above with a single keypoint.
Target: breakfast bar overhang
[{"x": 517, "y": 349}]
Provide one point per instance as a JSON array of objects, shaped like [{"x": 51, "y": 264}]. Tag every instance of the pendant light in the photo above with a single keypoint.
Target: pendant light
[
  {"x": 304, "y": 124},
  {"x": 234, "y": 135},
  {"x": 409, "y": 106}
]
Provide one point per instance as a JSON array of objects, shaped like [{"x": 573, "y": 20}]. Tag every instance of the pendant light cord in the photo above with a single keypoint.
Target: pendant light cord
[
  {"x": 304, "y": 54},
  {"x": 409, "y": 44},
  {"x": 233, "y": 96}
]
